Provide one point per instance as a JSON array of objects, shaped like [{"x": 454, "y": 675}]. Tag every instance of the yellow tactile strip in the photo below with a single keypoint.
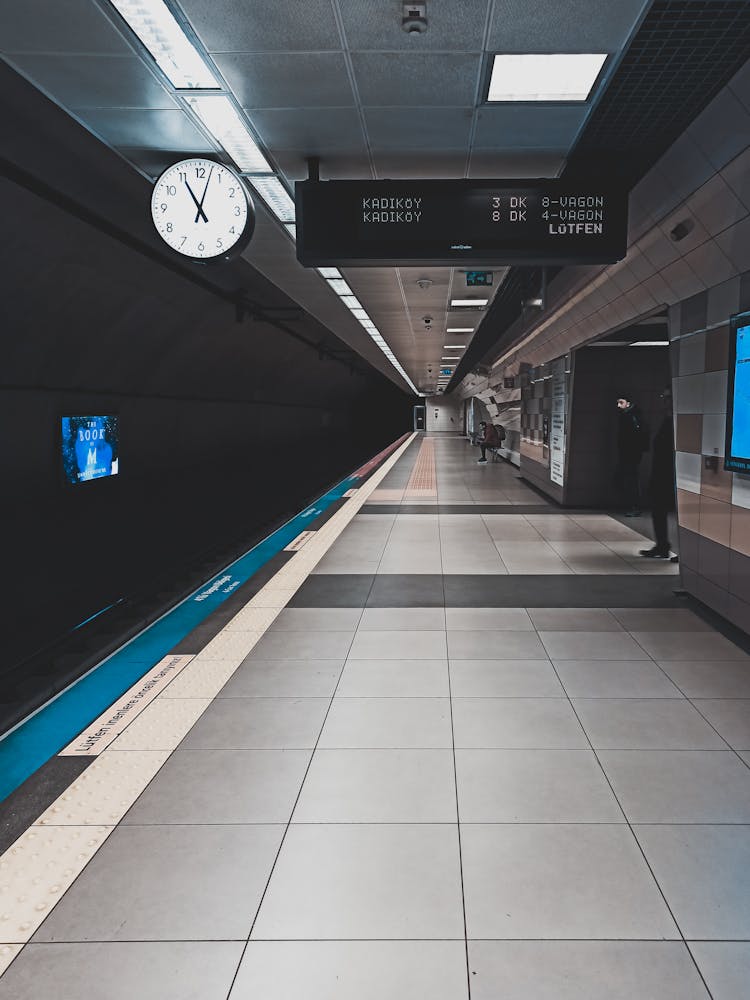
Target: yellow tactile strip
[
  {"x": 43, "y": 863},
  {"x": 423, "y": 480}
]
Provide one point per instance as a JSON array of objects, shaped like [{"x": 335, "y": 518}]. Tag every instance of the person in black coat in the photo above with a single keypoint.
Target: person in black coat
[
  {"x": 661, "y": 484},
  {"x": 632, "y": 441}
]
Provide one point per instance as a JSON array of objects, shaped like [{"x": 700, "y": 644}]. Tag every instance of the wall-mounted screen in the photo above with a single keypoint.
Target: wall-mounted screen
[
  {"x": 737, "y": 450},
  {"x": 90, "y": 448}
]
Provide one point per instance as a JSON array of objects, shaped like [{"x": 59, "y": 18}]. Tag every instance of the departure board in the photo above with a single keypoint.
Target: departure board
[{"x": 368, "y": 223}]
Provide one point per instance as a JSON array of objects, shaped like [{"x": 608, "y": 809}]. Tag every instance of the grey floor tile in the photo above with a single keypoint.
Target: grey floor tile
[
  {"x": 406, "y": 591},
  {"x": 574, "y": 619},
  {"x": 513, "y": 619},
  {"x": 690, "y": 646},
  {"x": 511, "y": 528},
  {"x": 136, "y": 887},
  {"x": 258, "y": 724},
  {"x": 704, "y": 873},
  {"x": 558, "y": 528},
  {"x": 511, "y": 723},
  {"x": 402, "y": 618},
  {"x": 492, "y": 644},
  {"x": 382, "y": 723},
  {"x": 709, "y": 678},
  {"x": 533, "y": 786},
  {"x": 156, "y": 970},
  {"x": 583, "y": 970},
  {"x": 379, "y": 786},
  {"x": 317, "y": 619},
  {"x": 504, "y": 679},
  {"x": 614, "y": 679},
  {"x": 725, "y": 966},
  {"x": 338, "y": 590},
  {"x": 559, "y": 881},
  {"x": 394, "y": 679},
  {"x": 302, "y": 646},
  {"x": 730, "y": 717},
  {"x": 591, "y": 646},
  {"x": 283, "y": 679},
  {"x": 364, "y": 882},
  {"x": 344, "y": 970},
  {"x": 693, "y": 786},
  {"x": 399, "y": 644},
  {"x": 659, "y": 620},
  {"x": 223, "y": 786},
  {"x": 645, "y": 724}
]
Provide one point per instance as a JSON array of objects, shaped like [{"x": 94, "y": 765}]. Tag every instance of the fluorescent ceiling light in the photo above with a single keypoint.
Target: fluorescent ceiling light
[
  {"x": 175, "y": 55},
  {"x": 351, "y": 301},
  {"x": 650, "y": 343},
  {"x": 339, "y": 286},
  {"x": 554, "y": 76},
  {"x": 468, "y": 302},
  {"x": 276, "y": 196},
  {"x": 451, "y": 358},
  {"x": 329, "y": 272},
  {"x": 454, "y": 347},
  {"x": 460, "y": 329},
  {"x": 292, "y": 230},
  {"x": 359, "y": 314},
  {"x": 222, "y": 120}
]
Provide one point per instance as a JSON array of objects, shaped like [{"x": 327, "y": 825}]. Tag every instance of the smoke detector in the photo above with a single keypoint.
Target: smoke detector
[
  {"x": 414, "y": 18},
  {"x": 424, "y": 283}
]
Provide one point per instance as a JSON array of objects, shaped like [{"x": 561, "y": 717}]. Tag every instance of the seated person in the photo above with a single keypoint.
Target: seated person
[{"x": 489, "y": 439}]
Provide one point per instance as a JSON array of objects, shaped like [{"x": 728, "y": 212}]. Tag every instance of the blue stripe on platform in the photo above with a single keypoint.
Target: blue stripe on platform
[{"x": 42, "y": 735}]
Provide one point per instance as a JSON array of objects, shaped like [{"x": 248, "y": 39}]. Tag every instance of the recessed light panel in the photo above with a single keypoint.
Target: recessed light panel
[
  {"x": 222, "y": 120},
  {"x": 457, "y": 303},
  {"x": 276, "y": 196},
  {"x": 174, "y": 53},
  {"x": 554, "y": 76}
]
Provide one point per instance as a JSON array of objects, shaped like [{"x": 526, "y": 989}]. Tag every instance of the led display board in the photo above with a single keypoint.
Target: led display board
[
  {"x": 737, "y": 448},
  {"x": 370, "y": 223},
  {"x": 90, "y": 448}
]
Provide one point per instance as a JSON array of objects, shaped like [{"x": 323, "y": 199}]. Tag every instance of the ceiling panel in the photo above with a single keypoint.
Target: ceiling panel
[
  {"x": 316, "y": 130},
  {"x": 298, "y": 80},
  {"x": 453, "y": 27},
  {"x": 418, "y": 128},
  {"x": 573, "y": 26},
  {"x": 83, "y": 81},
  {"x": 506, "y": 126},
  {"x": 416, "y": 79},
  {"x": 69, "y": 26},
  {"x": 163, "y": 130},
  {"x": 264, "y": 25},
  {"x": 333, "y": 165}
]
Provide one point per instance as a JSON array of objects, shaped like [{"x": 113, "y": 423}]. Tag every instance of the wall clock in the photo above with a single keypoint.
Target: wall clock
[{"x": 201, "y": 209}]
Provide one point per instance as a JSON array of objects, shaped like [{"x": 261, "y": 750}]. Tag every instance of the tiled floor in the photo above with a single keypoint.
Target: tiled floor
[{"x": 395, "y": 799}]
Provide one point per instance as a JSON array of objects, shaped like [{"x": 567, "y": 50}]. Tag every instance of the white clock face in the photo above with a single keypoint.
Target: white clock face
[{"x": 201, "y": 209}]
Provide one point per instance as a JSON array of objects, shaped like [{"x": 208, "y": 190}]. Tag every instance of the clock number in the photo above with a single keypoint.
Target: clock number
[
  {"x": 183, "y": 176},
  {"x": 231, "y": 192},
  {"x": 182, "y": 242},
  {"x": 163, "y": 206},
  {"x": 201, "y": 247},
  {"x": 171, "y": 189},
  {"x": 237, "y": 210},
  {"x": 169, "y": 227},
  {"x": 200, "y": 172},
  {"x": 219, "y": 244},
  {"x": 232, "y": 231}
]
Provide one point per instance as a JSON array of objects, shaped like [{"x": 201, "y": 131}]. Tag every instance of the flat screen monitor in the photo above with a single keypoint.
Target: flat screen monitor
[
  {"x": 737, "y": 450},
  {"x": 90, "y": 448}
]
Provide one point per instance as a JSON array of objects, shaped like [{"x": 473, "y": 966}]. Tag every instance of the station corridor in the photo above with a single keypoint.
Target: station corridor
[{"x": 475, "y": 747}]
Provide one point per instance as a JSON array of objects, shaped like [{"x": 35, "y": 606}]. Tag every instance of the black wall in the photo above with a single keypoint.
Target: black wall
[{"x": 226, "y": 427}]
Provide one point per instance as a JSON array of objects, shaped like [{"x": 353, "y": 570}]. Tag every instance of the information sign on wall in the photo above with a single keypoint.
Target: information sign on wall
[{"x": 557, "y": 433}]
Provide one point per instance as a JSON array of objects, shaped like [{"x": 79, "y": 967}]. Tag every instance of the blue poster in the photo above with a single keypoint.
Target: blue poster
[
  {"x": 90, "y": 448},
  {"x": 740, "y": 447}
]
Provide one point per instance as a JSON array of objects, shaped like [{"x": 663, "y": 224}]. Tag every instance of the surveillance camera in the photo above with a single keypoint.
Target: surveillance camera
[{"x": 427, "y": 320}]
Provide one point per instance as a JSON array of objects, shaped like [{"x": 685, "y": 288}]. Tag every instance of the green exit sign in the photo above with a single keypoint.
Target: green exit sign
[{"x": 474, "y": 278}]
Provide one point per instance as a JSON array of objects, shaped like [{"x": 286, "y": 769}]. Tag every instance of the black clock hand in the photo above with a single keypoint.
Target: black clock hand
[
  {"x": 196, "y": 203},
  {"x": 203, "y": 198}
]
